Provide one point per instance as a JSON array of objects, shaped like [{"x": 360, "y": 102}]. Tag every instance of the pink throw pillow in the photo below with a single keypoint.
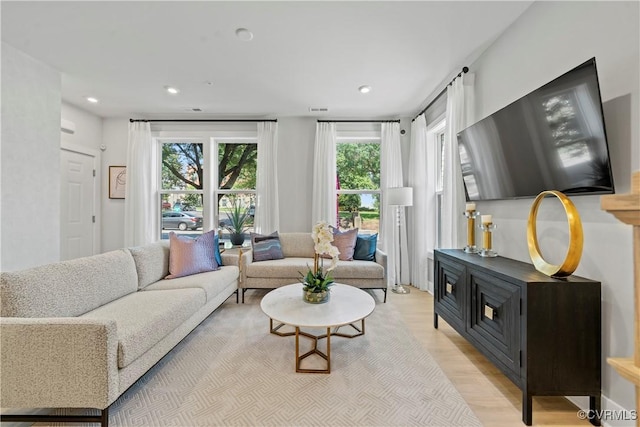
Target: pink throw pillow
[
  {"x": 345, "y": 241},
  {"x": 191, "y": 256}
]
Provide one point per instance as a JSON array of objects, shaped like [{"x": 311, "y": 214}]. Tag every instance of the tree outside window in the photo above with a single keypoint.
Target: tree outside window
[
  {"x": 236, "y": 192},
  {"x": 358, "y": 184},
  {"x": 183, "y": 185}
]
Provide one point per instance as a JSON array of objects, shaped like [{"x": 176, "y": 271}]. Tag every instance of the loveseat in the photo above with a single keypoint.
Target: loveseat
[
  {"x": 298, "y": 251},
  {"x": 79, "y": 333}
]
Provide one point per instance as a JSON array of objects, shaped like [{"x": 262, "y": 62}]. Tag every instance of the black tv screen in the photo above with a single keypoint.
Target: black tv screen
[{"x": 551, "y": 139}]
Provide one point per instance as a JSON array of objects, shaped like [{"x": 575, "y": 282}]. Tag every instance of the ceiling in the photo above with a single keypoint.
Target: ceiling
[{"x": 303, "y": 53}]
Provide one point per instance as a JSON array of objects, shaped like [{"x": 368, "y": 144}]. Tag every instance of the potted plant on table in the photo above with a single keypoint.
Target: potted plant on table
[
  {"x": 317, "y": 282},
  {"x": 238, "y": 223}
]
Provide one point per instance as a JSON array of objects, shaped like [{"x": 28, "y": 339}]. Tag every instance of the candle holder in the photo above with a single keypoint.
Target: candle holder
[
  {"x": 487, "y": 250},
  {"x": 471, "y": 231}
]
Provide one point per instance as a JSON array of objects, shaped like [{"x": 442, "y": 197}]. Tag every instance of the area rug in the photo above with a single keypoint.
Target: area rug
[{"x": 231, "y": 371}]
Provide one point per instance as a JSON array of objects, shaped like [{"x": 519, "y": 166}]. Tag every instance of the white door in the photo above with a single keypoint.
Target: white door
[{"x": 77, "y": 204}]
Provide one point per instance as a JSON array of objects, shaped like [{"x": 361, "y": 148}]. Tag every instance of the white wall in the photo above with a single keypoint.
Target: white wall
[
  {"x": 88, "y": 131},
  {"x": 296, "y": 139},
  {"x": 115, "y": 137},
  {"x": 549, "y": 39},
  {"x": 30, "y": 196}
]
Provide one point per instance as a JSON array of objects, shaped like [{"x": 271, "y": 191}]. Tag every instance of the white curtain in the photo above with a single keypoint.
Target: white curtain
[
  {"x": 392, "y": 240},
  {"x": 141, "y": 204},
  {"x": 422, "y": 216},
  {"x": 267, "y": 214},
  {"x": 324, "y": 203},
  {"x": 458, "y": 116}
]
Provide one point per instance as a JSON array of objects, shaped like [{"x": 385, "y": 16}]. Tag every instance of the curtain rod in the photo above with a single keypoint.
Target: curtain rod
[
  {"x": 358, "y": 121},
  {"x": 442, "y": 92},
  {"x": 203, "y": 120}
]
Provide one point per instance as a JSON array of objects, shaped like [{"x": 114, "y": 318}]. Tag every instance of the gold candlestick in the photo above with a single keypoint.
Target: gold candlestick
[
  {"x": 487, "y": 250},
  {"x": 471, "y": 231}
]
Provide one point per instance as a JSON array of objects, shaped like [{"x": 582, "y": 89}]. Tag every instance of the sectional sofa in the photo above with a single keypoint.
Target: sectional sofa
[
  {"x": 79, "y": 333},
  {"x": 298, "y": 252}
]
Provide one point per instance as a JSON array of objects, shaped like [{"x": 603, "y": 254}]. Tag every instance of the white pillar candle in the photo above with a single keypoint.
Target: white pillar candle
[
  {"x": 486, "y": 219},
  {"x": 471, "y": 206}
]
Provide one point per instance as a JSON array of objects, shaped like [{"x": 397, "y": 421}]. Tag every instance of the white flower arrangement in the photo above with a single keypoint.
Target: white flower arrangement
[
  {"x": 316, "y": 280},
  {"x": 322, "y": 238}
]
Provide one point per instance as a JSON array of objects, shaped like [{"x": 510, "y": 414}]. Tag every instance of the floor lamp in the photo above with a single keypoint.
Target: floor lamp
[{"x": 399, "y": 197}]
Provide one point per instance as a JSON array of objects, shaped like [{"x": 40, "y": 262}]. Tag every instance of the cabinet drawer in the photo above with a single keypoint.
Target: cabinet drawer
[
  {"x": 450, "y": 291},
  {"x": 494, "y": 321}
]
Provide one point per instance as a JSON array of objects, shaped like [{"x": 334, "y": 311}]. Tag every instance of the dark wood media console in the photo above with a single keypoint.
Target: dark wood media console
[{"x": 542, "y": 333}]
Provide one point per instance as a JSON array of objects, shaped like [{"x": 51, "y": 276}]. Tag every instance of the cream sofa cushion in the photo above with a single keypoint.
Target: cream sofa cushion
[
  {"x": 357, "y": 269},
  {"x": 68, "y": 288},
  {"x": 297, "y": 245},
  {"x": 152, "y": 262},
  {"x": 284, "y": 268},
  {"x": 212, "y": 282},
  {"x": 144, "y": 318},
  {"x": 292, "y": 268}
]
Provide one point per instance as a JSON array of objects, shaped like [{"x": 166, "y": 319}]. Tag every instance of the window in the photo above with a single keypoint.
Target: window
[
  {"x": 236, "y": 186},
  {"x": 200, "y": 190},
  {"x": 181, "y": 189},
  {"x": 358, "y": 183}
]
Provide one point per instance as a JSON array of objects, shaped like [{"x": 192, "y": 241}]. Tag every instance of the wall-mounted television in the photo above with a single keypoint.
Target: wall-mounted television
[{"x": 554, "y": 138}]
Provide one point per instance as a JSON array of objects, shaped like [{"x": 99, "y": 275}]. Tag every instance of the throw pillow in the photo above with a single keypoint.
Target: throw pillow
[
  {"x": 266, "y": 247},
  {"x": 366, "y": 247},
  {"x": 216, "y": 244},
  {"x": 189, "y": 256},
  {"x": 345, "y": 241}
]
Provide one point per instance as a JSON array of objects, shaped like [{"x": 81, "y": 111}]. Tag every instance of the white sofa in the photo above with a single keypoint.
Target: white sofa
[
  {"x": 79, "y": 333},
  {"x": 298, "y": 252}
]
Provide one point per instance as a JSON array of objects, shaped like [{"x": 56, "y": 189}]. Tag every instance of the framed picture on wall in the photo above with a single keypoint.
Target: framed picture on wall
[{"x": 117, "y": 181}]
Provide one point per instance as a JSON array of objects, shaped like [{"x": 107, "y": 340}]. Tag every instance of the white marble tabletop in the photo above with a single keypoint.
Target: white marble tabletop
[{"x": 347, "y": 304}]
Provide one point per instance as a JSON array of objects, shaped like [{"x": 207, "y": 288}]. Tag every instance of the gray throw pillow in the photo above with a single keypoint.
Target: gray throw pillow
[{"x": 266, "y": 247}]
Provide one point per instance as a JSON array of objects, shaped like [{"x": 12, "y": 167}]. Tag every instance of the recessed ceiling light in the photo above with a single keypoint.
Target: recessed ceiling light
[
  {"x": 244, "y": 34},
  {"x": 364, "y": 89},
  {"x": 92, "y": 100},
  {"x": 171, "y": 90}
]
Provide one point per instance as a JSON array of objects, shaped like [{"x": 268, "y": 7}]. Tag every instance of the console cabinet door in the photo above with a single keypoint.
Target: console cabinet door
[
  {"x": 450, "y": 292},
  {"x": 494, "y": 321}
]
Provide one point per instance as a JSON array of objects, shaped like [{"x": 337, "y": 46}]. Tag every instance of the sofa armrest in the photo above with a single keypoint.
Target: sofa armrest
[
  {"x": 381, "y": 258},
  {"x": 58, "y": 362},
  {"x": 247, "y": 258}
]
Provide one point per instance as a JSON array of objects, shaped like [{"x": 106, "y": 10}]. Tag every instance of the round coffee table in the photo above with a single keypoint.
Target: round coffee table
[{"x": 346, "y": 305}]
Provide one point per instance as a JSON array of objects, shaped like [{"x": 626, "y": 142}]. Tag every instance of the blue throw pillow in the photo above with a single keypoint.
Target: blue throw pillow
[
  {"x": 366, "y": 247},
  {"x": 216, "y": 249}
]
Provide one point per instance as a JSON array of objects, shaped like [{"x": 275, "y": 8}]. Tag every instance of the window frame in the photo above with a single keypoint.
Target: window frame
[
  {"x": 436, "y": 141},
  {"x": 210, "y": 215}
]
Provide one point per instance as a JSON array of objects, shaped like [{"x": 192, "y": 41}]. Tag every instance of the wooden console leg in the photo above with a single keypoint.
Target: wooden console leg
[
  {"x": 594, "y": 410},
  {"x": 527, "y": 406},
  {"x": 435, "y": 320}
]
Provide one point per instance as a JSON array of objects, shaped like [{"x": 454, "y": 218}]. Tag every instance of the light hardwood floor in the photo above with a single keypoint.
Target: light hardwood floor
[{"x": 495, "y": 400}]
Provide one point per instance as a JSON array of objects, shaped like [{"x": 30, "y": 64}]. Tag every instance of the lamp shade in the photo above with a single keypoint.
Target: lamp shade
[{"x": 400, "y": 196}]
